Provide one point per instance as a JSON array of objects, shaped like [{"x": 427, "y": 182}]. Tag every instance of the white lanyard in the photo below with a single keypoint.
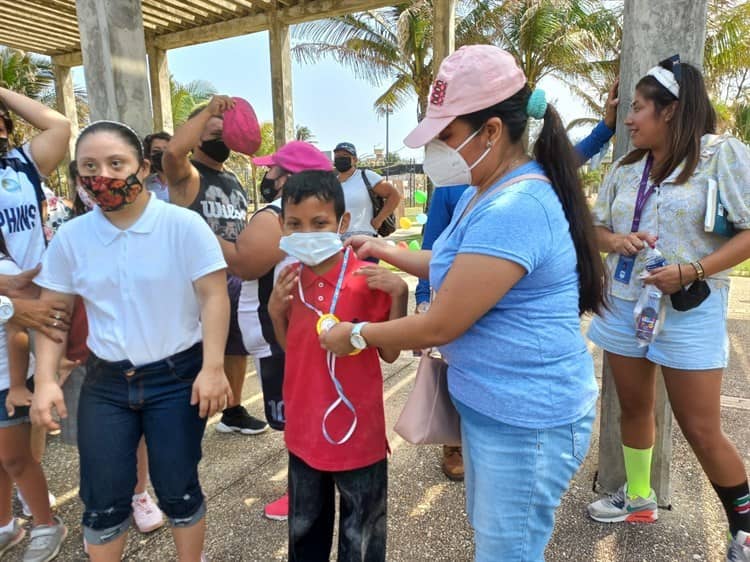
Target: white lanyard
[{"x": 326, "y": 321}]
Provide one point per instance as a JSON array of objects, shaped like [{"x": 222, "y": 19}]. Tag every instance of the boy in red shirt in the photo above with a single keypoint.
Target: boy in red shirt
[{"x": 335, "y": 427}]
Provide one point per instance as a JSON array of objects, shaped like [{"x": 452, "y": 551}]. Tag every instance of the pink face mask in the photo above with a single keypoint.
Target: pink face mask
[{"x": 85, "y": 198}]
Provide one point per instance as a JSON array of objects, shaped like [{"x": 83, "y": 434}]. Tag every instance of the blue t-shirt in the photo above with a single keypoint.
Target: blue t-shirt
[{"x": 525, "y": 362}]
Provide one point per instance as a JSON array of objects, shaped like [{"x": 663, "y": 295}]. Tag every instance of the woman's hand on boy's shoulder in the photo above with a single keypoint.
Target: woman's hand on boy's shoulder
[
  {"x": 384, "y": 280},
  {"x": 282, "y": 294}
]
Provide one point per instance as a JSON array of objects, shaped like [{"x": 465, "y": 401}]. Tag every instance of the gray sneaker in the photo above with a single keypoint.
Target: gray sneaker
[
  {"x": 619, "y": 507},
  {"x": 739, "y": 548},
  {"x": 46, "y": 541},
  {"x": 9, "y": 539}
]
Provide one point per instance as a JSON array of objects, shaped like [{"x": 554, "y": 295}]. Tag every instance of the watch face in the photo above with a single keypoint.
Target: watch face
[
  {"x": 358, "y": 341},
  {"x": 6, "y": 312}
]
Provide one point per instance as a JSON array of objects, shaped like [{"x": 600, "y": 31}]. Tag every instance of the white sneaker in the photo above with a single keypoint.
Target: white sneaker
[
  {"x": 25, "y": 507},
  {"x": 739, "y": 548},
  {"x": 146, "y": 514}
]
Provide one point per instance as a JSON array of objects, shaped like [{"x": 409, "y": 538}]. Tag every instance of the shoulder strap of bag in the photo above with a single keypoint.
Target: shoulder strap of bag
[
  {"x": 491, "y": 192},
  {"x": 34, "y": 178},
  {"x": 366, "y": 179}
]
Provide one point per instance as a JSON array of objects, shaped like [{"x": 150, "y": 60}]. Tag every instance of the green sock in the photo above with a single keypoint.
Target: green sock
[{"x": 638, "y": 471}]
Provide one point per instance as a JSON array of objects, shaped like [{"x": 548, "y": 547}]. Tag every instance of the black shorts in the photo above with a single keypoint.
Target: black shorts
[{"x": 234, "y": 339}]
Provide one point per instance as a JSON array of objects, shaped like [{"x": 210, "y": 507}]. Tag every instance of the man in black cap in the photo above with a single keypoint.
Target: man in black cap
[{"x": 356, "y": 184}]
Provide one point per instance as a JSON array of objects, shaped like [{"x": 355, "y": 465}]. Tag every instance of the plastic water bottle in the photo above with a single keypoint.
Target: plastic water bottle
[
  {"x": 645, "y": 324},
  {"x": 650, "y": 300},
  {"x": 654, "y": 259}
]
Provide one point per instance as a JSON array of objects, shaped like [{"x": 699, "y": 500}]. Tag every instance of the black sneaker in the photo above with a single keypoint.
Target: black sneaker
[{"x": 237, "y": 419}]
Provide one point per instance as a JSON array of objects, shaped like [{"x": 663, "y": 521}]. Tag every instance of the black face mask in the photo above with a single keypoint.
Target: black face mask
[
  {"x": 156, "y": 164},
  {"x": 3, "y": 146},
  {"x": 688, "y": 299},
  {"x": 268, "y": 188},
  {"x": 215, "y": 149},
  {"x": 342, "y": 163}
]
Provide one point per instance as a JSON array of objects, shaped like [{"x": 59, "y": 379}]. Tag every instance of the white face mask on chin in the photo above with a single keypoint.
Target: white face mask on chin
[
  {"x": 446, "y": 166},
  {"x": 312, "y": 248}
]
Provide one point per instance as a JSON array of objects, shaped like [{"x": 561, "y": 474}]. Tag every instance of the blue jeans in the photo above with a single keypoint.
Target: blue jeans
[
  {"x": 515, "y": 478},
  {"x": 119, "y": 404}
]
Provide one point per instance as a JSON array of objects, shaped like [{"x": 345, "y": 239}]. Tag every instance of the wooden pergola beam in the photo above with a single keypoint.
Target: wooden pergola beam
[
  {"x": 46, "y": 41},
  {"x": 26, "y": 45},
  {"x": 209, "y": 9},
  {"x": 60, "y": 28},
  {"x": 260, "y": 22}
]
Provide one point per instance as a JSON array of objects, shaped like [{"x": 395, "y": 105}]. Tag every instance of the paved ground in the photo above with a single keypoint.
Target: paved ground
[{"x": 426, "y": 514}]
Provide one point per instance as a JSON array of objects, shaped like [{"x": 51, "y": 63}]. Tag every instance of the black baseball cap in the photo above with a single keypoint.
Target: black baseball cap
[{"x": 346, "y": 147}]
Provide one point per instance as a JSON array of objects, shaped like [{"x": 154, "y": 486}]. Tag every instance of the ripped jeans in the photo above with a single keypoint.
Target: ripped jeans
[{"x": 119, "y": 404}]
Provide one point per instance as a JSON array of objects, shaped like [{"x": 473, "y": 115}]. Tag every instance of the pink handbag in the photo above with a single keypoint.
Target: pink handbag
[{"x": 429, "y": 417}]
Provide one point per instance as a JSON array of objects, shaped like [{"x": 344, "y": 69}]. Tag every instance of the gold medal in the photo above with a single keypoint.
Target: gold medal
[{"x": 326, "y": 322}]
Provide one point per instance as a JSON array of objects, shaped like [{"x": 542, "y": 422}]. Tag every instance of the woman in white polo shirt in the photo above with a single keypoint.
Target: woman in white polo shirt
[{"x": 148, "y": 373}]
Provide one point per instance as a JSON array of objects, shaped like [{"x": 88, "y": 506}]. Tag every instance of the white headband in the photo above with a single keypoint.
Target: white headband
[{"x": 666, "y": 79}]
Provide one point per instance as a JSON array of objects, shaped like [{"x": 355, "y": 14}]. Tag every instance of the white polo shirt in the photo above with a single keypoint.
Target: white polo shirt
[{"x": 137, "y": 284}]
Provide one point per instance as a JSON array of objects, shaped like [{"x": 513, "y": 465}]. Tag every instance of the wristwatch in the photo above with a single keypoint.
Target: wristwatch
[
  {"x": 356, "y": 339},
  {"x": 6, "y": 309}
]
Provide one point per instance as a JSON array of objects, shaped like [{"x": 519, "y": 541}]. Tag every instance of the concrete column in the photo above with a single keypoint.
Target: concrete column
[
  {"x": 444, "y": 31},
  {"x": 281, "y": 81},
  {"x": 114, "y": 59},
  {"x": 651, "y": 32},
  {"x": 161, "y": 95},
  {"x": 66, "y": 101}
]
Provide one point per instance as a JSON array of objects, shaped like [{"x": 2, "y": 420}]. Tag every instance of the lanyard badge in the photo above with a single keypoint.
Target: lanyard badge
[
  {"x": 325, "y": 322},
  {"x": 625, "y": 264}
]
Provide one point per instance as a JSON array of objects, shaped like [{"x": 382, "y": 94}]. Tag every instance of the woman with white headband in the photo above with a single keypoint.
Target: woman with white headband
[{"x": 663, "y": 195}]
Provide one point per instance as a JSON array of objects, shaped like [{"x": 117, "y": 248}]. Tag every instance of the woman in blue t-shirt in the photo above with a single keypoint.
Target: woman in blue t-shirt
[{"x": 513, "y": 271}]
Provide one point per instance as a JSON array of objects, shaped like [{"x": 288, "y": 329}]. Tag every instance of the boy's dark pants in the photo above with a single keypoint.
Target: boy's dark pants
[{"x": 312, "y": 507}]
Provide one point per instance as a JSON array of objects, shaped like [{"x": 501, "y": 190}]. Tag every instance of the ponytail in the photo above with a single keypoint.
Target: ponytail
[{"x": 559, "y": 159}]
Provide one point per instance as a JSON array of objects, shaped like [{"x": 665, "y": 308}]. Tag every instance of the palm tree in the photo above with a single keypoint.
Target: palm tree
[
  {"x": 391, "y": 45},
  {"x": 27, "y": 74},
  {"x": 727, "y": 52},
  {"x": 187, "y": 96},
  {"x": 394, "y": 45},
  {"x": 303, "y": 133}
]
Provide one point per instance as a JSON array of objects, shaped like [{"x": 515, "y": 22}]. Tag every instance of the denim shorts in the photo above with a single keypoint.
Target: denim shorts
[
  {"x": 515, "y": 479},
  {"x": 694, "y": 340},
  {"x": 21, "y": 414},
  {"x": 118, "y": 405}
]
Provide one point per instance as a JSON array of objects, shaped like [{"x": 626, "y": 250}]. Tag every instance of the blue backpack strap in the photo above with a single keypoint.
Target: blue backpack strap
[
  {"x": 25, "y": 166},
  {"x": 36, "y": 180}
]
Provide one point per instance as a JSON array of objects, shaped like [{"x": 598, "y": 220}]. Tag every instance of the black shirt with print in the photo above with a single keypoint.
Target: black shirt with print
[{"x": 221, "y": 201}]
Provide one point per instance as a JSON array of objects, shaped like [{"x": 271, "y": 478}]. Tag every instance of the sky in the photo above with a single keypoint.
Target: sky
[{"x": 327, "y": 98}]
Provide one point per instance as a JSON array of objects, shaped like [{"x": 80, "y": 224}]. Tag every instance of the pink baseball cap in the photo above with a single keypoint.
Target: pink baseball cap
[
  {"x": 241, "y": 131},
  {"x": 474, "y": 77},
  {"x": 295, "y": 157}
]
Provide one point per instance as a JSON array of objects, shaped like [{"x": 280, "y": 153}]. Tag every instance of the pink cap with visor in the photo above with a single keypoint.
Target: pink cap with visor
[
  {"x": 295, "y": 157},
  {"x": 474, "y": 77}
]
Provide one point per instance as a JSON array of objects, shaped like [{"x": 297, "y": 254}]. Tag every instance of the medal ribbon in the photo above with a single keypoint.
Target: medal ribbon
[{"x": 331, "y": 360}]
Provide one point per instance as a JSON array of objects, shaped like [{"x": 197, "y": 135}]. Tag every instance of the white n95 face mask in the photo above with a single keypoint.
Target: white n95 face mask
[
  {"x": 446, "y": 166},
  {"x": 311, "y": 248}
]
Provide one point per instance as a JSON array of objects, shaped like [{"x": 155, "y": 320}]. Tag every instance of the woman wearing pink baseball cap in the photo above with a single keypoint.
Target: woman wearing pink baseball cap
[{"x": 513, "y": 271}]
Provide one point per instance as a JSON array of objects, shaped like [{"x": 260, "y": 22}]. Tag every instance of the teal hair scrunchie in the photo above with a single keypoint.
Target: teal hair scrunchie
[{"x": 537, "y": 104}]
